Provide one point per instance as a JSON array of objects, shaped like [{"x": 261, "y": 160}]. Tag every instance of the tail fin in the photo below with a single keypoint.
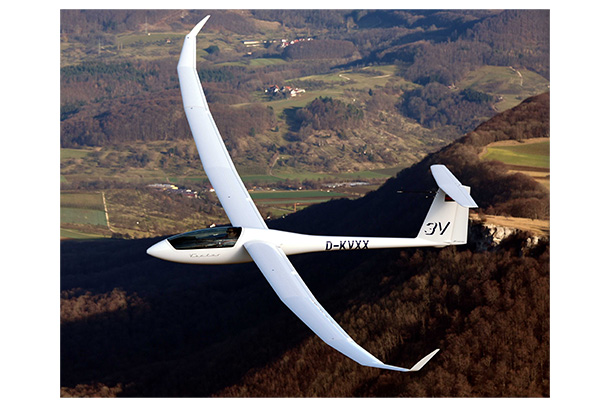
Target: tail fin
[{"x": 447, "y": 219}]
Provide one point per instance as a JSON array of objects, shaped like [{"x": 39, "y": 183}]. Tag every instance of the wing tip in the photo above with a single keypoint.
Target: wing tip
[
  {"x": 416, "y": 367},
  {"x": 423, "y": 361},
  {"x": 199, "y": 25}
]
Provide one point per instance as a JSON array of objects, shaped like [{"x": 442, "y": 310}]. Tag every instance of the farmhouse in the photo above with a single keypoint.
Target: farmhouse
[{"x": 284, "y": 90}]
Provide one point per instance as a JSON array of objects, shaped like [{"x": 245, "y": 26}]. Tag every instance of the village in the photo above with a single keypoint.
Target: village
[{"x": 283, "y": 43}]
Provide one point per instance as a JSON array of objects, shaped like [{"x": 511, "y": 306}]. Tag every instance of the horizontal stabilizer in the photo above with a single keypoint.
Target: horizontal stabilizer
[{"x": 451, "y": 186}]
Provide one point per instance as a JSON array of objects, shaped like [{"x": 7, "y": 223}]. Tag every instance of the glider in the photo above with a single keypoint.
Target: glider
[{"x": 249, "y": 239}]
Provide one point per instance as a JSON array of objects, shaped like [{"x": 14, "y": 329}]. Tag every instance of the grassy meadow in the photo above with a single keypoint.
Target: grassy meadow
[
  {"x": 82, "y": 215},
  {"x": 532, "y": 157},
  {"x": 510, "y": 85},
  {"x": 527, "y": 154}
]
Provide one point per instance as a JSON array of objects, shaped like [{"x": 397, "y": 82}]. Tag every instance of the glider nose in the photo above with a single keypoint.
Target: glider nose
[{"x": 161, "y": 250}]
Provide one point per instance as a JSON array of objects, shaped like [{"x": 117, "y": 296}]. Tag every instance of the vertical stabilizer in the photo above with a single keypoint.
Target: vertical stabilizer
[{"x": 447, "y": 220}]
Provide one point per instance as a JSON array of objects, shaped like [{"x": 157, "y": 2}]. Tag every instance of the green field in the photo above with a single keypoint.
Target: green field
[
  {"x": 152, "y": 38},
  {"x": 83, "y": 216},
  {"x": 294, "y": 196},
  {"x": 529, "y": 155},
  {"x": 337, "y": 83},
  {"x": 86, "y": 200},
  {"x": 279, "y": 203},
  {"x": 67, "y": 153},
  {"x": 255, "y": 62},
  {"x": 82, "y": 210},
  {"x": 381, "y": 173},
  {"x": 360, "y": 79},
  {"x": 507, "y": 83}
]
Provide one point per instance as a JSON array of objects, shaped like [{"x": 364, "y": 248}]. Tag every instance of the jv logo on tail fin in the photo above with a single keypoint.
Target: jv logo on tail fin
[{"x": 433, "y": 227}]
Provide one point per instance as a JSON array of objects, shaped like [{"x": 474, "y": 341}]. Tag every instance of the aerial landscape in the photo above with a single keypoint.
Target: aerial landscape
[{"x": 333, "y": 119}]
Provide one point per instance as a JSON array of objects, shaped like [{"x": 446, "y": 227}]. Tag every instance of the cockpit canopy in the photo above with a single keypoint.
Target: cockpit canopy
[{"x": 212, "y": 238}]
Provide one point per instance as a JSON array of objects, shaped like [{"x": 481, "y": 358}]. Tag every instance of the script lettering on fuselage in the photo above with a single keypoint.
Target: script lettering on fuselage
[
  {"x": 347, "y": 245},
  {"x": 197, "y": 255},
  {"x": 433, "y": 227}
]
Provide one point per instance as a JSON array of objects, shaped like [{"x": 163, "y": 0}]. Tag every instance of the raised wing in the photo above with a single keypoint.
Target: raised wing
[
  {"x": 293, "y": 292},
  {"x": 217, "y": 163}
]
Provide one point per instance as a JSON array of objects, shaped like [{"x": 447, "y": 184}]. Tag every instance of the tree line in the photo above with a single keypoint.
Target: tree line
[
  {"x": 511, "y": 38},
  {"x": 326, "y": 113},
  {"x": 320, "y": 49},
  {"x": 435, "y": 105},
  {"x": 161, "y": 118}
]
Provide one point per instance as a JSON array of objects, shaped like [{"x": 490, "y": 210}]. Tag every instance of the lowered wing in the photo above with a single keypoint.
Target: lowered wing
[
  {"x": 217, "y": 163},
  {"x": 293, "y": 292}
]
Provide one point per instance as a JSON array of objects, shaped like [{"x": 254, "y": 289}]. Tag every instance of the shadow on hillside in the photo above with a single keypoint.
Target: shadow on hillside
[{"x": 184, "y": 330}]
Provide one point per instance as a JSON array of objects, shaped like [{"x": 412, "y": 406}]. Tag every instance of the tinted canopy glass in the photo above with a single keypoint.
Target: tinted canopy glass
[{"x": 225, "y": 236}]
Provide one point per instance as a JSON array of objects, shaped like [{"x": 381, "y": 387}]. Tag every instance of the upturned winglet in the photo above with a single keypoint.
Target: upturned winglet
[
  {"x": 422, "y": 362},
  {"x": 191, "y": 50},
  {"x": 416, "y": 367}
]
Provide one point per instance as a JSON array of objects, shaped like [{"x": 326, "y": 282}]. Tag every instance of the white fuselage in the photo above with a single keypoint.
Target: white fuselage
[{"x": 290, "y": 243}]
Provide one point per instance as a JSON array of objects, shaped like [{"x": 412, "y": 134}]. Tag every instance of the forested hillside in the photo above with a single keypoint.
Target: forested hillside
[
  {"x": 118, "y": 80},
  {"x": 496, "y": 190},
  {"x": 135, "y": 326}
]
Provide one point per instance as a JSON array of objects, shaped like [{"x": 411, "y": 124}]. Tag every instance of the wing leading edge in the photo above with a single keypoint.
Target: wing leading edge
[
  {"x": 293, "y": 292},
  {"x": 217, "y": 163}
]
